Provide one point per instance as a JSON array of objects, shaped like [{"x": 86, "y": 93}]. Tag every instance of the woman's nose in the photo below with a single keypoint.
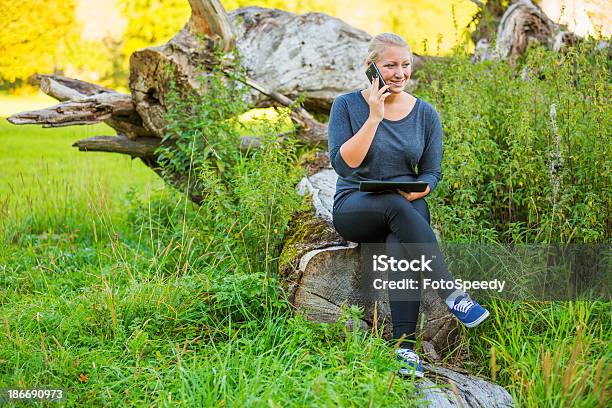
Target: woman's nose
[{"x": 399, "y": 72}]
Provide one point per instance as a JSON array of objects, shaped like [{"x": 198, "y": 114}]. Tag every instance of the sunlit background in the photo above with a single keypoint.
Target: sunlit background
[{"x": 93, "y": 39}]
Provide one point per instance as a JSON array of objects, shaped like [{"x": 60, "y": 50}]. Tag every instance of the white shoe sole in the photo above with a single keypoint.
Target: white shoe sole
[
  {"x": 409, "y": 374},
  {"x": 477, "y": 321}
]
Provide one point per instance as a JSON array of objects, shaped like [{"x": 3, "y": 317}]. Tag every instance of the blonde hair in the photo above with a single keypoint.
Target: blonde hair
[{"x": 380, "y": 42}]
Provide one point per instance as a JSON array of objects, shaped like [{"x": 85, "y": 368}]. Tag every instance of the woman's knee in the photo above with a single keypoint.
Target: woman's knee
[
  {"x": 397, "y": 205},
  {"x": 360, "y": 226},
  {"x": 422, "y": 208},
  {"x": 407, "y": 222}
]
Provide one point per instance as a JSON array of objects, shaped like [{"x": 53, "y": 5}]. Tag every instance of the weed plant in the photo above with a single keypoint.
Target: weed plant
[{"x": 526, "y": 148}]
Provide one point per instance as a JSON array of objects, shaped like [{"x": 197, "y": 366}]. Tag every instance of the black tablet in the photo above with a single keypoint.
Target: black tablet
[{"x": 407, "y": 186}]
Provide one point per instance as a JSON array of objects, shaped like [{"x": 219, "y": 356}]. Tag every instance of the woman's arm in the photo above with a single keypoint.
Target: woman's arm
[
  {"x": 354, "y": 150},
  {"x": 430, "y": 163},
  {"x": 338, "y": 132},
  {"x": 347, "y": 152}
]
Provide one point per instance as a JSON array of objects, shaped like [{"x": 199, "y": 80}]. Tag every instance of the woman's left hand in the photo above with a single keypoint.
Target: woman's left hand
[
  {"x": 407, "y": 196},
  {"x": 413, "y": 196}
]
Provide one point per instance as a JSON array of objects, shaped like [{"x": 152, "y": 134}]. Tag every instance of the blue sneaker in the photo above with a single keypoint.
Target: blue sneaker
[
  {"x": 468, "y": 311},
  {"x": 410, "y": 363}
]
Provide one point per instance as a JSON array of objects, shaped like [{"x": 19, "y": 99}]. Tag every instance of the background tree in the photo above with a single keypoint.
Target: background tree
[
  {"x": 151, "y": 22},
  {"x": 34, "y": 37}
]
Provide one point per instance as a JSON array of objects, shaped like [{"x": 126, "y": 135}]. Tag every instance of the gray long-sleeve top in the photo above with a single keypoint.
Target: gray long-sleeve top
[{"x": 409, "y": 149}]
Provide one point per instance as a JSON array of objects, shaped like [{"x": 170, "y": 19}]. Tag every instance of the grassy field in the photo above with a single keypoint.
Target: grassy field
[
  {"x": 31, "y": 155},
  {"x": 117, "y": 290},
  {"x": 90, "y": 304},
  {"x": 44, "y": 180}
]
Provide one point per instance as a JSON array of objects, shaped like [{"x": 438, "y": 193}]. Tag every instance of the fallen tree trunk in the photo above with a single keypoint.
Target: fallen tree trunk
[{"x": 320, "y": 275}]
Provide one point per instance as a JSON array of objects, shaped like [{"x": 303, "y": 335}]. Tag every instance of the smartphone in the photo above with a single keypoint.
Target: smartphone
[{"x": 373, "y": 72}]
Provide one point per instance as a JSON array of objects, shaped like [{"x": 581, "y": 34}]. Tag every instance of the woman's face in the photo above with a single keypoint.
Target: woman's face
[{"x": 394, "y": 66}]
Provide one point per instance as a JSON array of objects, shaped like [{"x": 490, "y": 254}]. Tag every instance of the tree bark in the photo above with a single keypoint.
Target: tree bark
[{"x": 524, "y": 22}]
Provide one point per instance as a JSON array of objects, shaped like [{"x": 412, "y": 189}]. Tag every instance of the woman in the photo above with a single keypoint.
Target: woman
[{"x": 387, "y": 134}]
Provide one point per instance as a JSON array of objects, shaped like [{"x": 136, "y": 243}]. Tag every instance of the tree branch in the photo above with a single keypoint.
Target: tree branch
[
  {"x": 142, "y": 147},
  {"x": 83, "y": 111},
  {"x": 312, "y": 131},
  {"x": 210, "y": 18},
  {"x": 84, "y": 103}
]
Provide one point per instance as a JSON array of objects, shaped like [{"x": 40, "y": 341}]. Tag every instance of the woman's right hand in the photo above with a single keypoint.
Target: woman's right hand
[{"x": 376, "y": 100}]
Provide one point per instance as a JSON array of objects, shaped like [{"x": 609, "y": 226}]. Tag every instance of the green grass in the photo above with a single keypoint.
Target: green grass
[
  {"x": 101, "y": 295},
  {"x": 38, "y": 164},
  {"x": 547, "y": 354},
  {"x": 117, "y": 290}
]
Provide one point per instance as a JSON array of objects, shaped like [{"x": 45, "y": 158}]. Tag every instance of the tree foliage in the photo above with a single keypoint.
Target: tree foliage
[
  {"x": 34, "y": 37},
  {"x": 152, "y": 22}
]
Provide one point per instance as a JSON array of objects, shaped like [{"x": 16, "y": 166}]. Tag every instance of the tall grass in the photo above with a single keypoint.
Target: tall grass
[
  {"x": 526, "y": 148},
  {"x": 146, "y": 299},
  {"x": 526, "y": 160},
  {"x": 547, "y": 354}
]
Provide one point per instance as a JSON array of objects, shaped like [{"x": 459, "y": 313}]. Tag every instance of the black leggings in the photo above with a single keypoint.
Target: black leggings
[{"x": 390, "y": 218}]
